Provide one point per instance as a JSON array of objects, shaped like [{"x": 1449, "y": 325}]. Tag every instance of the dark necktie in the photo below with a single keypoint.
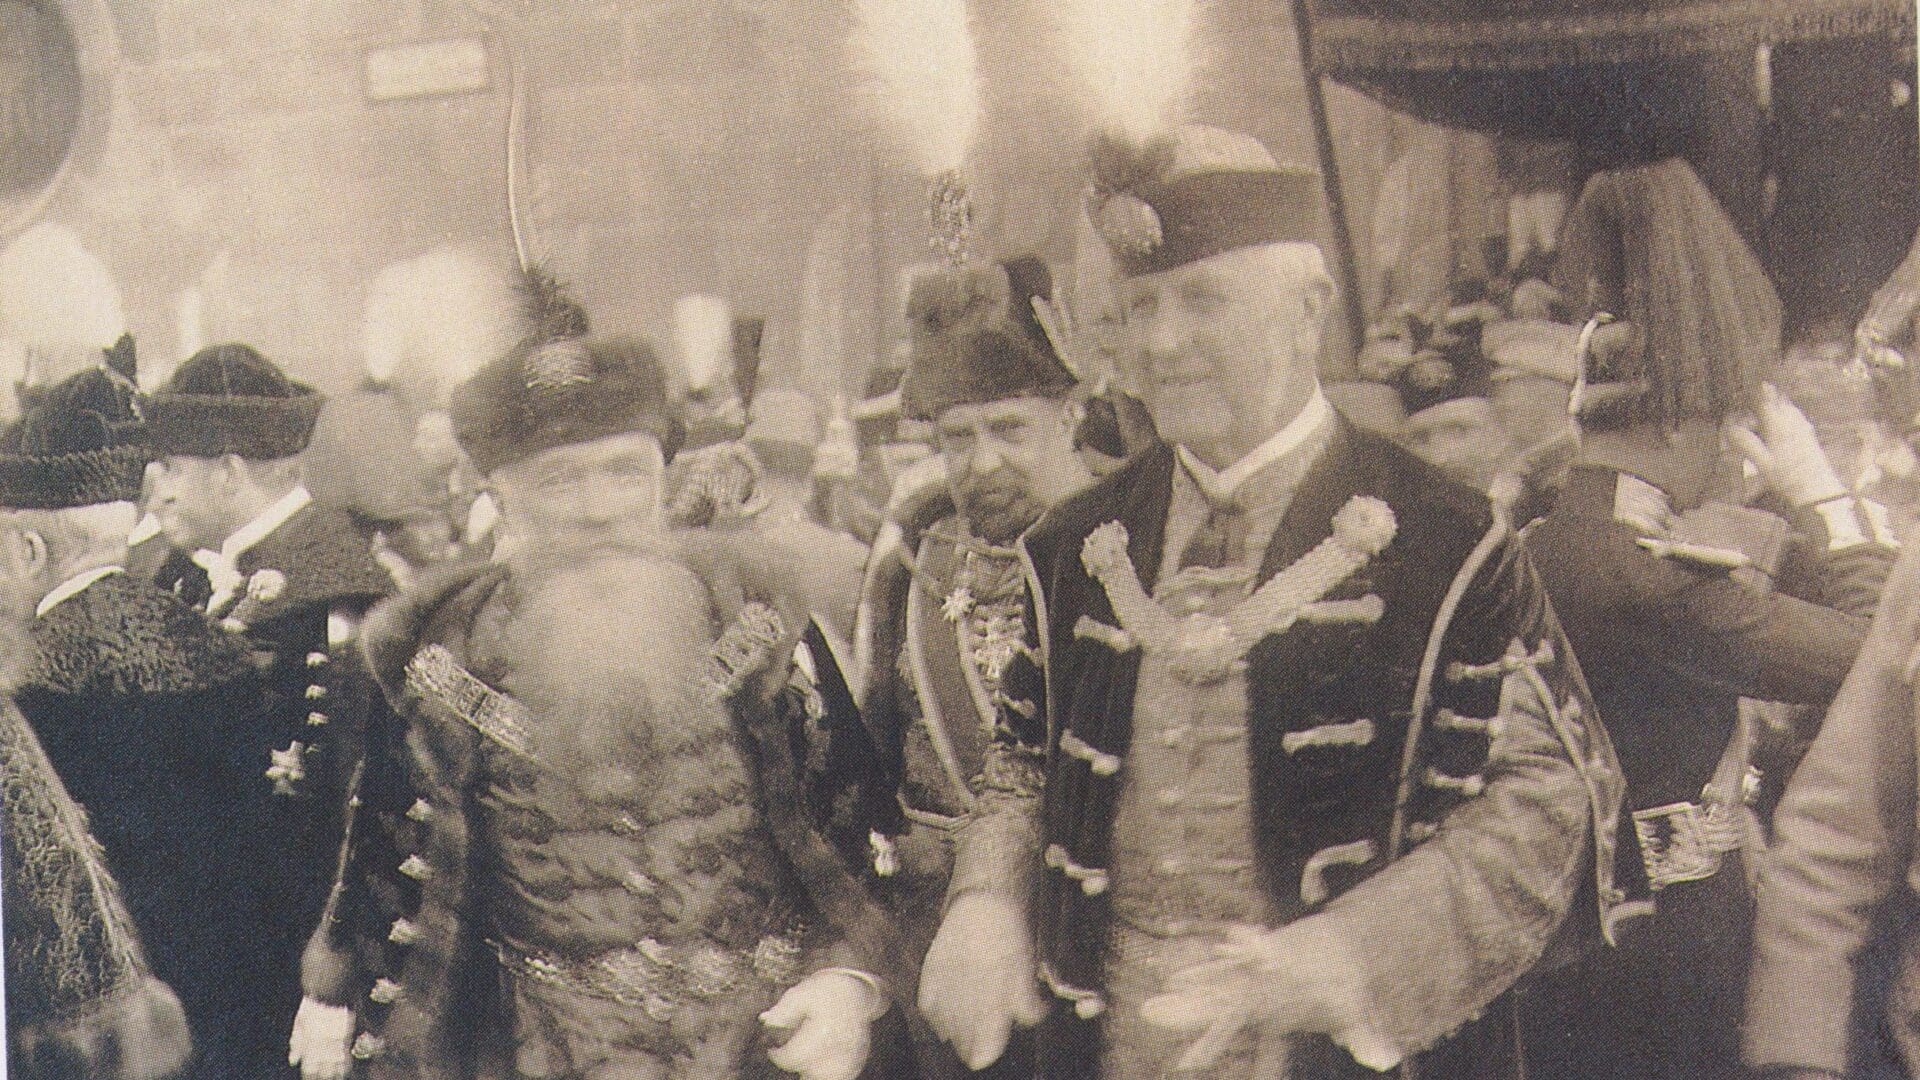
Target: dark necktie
[{"x": 1220, "y": 538}]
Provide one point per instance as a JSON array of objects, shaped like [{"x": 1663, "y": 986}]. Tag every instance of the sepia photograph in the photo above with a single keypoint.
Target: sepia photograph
[{"x": 924, "y": 539}]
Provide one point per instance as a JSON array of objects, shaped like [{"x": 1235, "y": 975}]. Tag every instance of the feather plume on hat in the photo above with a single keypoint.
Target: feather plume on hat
[
  {"x": 431, "y": 321},
  {"x": 921, "y": 84},
  {"x": 703, "y": 342},
  {"x": 58, "y": 302},
  {"x": 555, "y": 357},
  {"x": 1132, "y": 61}
]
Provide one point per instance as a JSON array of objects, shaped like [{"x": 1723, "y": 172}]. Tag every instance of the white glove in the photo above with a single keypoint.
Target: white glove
[
  {"x": 977, "y": 982},
  {"x": 1783, "y": 447},
  {"x": 322, "y": 1034},
  {"x": 1278, "y": 982},
  {"x": 829, "y": 1013}
]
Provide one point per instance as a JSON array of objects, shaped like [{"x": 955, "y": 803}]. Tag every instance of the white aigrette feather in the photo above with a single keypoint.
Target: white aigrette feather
[
  {"x": 703, "y": 340},
  {"x": 57, "y": 301},
  {"x": 435, "y": 319},
  {"x": 921, "y": 78},
  {"x": 1132, "y": 59}
]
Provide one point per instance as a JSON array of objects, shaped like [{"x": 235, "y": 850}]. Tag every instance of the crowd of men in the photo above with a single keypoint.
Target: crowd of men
[{"x": 1187, "y": 722}]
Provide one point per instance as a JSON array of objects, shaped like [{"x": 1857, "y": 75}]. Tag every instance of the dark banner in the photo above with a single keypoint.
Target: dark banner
[{"x": 1513, "y": 35}]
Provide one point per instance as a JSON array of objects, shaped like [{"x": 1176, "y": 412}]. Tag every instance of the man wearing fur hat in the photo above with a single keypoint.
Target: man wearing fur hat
[
  {"x": 607, "y": 864},
  {"x": 1321, "y": 781},
  {"x": 944, "y": 607},
  {"x": 138, "y": 700},
  {"x": 1679, "y": 601},
  {"x": 291, "y": 580}
]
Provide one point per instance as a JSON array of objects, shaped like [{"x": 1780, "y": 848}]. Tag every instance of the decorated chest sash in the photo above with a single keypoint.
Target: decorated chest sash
[
  {"x": 434, "y": 674},
  {"x": 1204, "y": 647}
]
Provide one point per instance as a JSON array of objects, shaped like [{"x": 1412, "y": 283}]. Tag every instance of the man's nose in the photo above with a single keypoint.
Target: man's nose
[
  {"x": 1160, "y": 339},
  {"x": 986, "y": 458}
]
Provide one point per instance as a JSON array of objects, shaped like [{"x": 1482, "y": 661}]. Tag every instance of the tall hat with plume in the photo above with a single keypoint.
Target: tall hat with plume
[
  {"x": 703, "y": 343},
  {"x": 1165, "y": 192},
  {"x": 975, "y": 338},
  {"x": 435, "y": 319},
  {"x": 81, "y": 443},
  {"x": 921, "y": 84},
  {"x": 58, "y": 303},
  {"x": 974, "y": 333},
  {"x": 1650, "y": 245},
  {"x": 557, "y": 388}
]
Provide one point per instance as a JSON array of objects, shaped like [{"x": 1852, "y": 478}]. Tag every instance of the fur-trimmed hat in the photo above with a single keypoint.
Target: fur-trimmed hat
[
  {"x": 1201, "y": 192},
  {"x": 553, "y": 393},
  {"x": 976, "y": 338},
  {"x": 228, "y": 399},
  {"x": 79, "y": 445}
]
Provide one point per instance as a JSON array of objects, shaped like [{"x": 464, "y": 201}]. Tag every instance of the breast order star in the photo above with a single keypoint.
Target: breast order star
[{"x": 288, "y": 768}]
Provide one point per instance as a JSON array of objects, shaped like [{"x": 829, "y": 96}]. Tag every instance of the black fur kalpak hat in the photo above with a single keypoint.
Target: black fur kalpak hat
[
  {"x": 81, "y": 443},
  {"x": 975, "y": 338},
  {"x": 557, "y": 388},
  {"x": 228, "y": 399},
  {"x": 548, "y": 394}
]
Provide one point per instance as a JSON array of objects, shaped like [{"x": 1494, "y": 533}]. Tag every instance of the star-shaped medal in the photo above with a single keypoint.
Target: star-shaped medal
[{"x": 958, "y": 604}]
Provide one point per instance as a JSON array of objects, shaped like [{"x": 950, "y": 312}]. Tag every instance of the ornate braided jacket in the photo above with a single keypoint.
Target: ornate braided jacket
[
  {"x": 1427, "y": 790},
  {"x": 607, "y": 863}
]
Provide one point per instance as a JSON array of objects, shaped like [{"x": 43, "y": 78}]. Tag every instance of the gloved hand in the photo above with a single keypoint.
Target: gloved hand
[
  {"x": 322, "y": 1034},
  {"x": 977, "y": 982},
  {"x": 1782, "y": 446},
  {"x": 830, "y": 1013},
  {"x": 1889, "y": 320},
  {"x": 1278, "y": 982}
]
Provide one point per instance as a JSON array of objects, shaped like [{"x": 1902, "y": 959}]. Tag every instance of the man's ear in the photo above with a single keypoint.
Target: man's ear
[
  {"x": 1316, "y": 299},
  {"x": 33, "y": 549},
  {"x": 234, "y": 473}
]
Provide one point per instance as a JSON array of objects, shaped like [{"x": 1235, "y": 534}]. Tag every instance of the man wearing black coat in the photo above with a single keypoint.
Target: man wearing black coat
[
  {"x": 1321, "y": 781},
  {"x": 1646, "y": 556},
  {"x": 289, "y": 579},
  {"x": 138, "y": 700}
]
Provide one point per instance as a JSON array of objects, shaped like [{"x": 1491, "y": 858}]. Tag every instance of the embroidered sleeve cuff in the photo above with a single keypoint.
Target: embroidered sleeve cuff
[
  {"x": 998, "y": 851},
  {"x": 1851, "y": 521}
]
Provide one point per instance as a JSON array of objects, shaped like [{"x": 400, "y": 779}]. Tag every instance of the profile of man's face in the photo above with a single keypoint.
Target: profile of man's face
[
  {"x": 1224, "y": 349},
  {"x": 1007, "y": 461},
  {"x": 192, "y": 500}
]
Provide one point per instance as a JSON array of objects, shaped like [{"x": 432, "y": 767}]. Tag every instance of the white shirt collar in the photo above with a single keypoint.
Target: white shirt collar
[
  {"x": 247, "y": 536},
  {"x": 223, "y": 566},
  {"x": 144, "y": 530},
  {"x": 73, "y": 586},
  {"x": 1223, "y": 483}
]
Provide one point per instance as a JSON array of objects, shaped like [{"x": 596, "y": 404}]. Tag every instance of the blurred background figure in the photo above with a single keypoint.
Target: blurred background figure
[
  {"x": 60, "y": 307},
  {"x": 782, "y": 435}
]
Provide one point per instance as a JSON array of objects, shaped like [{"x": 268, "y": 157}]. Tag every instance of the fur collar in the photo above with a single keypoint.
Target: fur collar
[
  {"x": 321, "y": 560},
  {"x": 122, "y": 636}
]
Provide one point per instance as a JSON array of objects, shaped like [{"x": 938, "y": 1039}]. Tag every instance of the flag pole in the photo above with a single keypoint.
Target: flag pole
[{"x": 1347, "y": 261}]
